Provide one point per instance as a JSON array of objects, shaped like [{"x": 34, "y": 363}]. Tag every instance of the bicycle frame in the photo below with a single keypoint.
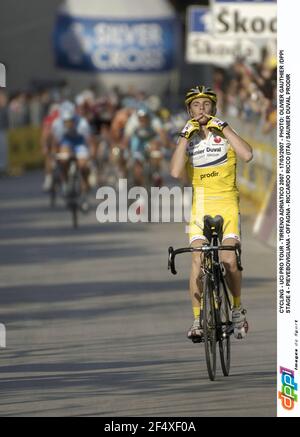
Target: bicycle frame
[{"x": 212, "y": 267}]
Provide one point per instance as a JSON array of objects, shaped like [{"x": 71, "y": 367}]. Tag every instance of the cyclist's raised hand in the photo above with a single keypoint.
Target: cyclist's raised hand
[
  {"x": 215, "y": 123},
  {"x": 190, "y": 128}
]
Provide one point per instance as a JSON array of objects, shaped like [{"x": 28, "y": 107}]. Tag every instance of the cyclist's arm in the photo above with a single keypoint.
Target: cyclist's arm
[
  {"x": 129, "y": 130},
  {"x": 55, "y": 144},
  {"x": 92, "y": 144},
  {"x": 46, "y": 138},
  {"x": 160, "y": 131},
  {"x": 163, "y": 136},
  {"x": 179, "y": 158},
  {"x": 241, "y": 147}
]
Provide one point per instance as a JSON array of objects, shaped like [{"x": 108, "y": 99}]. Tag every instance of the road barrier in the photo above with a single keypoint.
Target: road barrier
[
  {"x": 24, "y": 149},
  {"x": 257, "y": 179}
]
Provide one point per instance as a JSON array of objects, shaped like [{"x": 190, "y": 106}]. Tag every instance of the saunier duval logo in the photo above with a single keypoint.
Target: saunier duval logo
[{"x": 2, "y": 75}]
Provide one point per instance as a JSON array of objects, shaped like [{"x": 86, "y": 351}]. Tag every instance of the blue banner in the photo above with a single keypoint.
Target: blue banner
[
  {"x": 109, "y": 45},
  {"x": 197, "y": 19}
]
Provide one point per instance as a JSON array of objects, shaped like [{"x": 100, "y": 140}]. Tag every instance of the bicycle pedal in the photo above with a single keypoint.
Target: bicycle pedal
[
  {"x": 240, "y": 333},
  {"x": 224, "y": 335}
]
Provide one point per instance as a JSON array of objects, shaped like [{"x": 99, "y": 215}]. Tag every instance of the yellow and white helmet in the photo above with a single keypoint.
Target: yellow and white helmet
[{"x": 200, "y": 91}]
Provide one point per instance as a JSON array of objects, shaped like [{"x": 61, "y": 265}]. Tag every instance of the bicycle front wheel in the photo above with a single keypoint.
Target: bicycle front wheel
[
  {"x": 209, "y": 327},
  {"x": 224, "y": 332},
  {"x": 74, "y": 190}
]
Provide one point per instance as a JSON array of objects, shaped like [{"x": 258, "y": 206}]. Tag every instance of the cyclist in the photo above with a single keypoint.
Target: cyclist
[
  {"x": 144, "y": 135},
  {"x": 72, "y": 140},
  {"x": 208, "y": 148},
  {"x": 118, "y": 152},
  {"x": 46, "y": 141}
]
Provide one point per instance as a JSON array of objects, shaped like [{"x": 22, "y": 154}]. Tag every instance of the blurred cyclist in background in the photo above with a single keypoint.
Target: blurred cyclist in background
[
  {"x": 118, "y": 152},
  {"x": 47, "y": 142},
  {"x": 139, "y": 143},
  {"x": 72, "y": 137},
  {"x": 144, "y": 137}
]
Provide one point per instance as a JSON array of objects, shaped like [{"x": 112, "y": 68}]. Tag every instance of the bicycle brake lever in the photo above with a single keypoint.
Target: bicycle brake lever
[{"x": 238, "y": 257}]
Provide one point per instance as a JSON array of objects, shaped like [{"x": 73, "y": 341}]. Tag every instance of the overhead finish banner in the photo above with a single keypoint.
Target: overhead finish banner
[
  {"x": 112, "y": 45},
  {"x": 253, "y": 19}
]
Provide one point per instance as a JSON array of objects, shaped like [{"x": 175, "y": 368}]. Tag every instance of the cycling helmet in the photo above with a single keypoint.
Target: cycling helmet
[
  {"x": 200, "y": 91},
  {"x": 67, "y": 106},
  {"x": 80, "y": 100},
  {"x": 67, "y": 115},
  {"x": 143, "y": 112}
]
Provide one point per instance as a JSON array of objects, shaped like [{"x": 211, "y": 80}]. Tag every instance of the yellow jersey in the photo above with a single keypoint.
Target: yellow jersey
[{"x": 211, "y": 165}]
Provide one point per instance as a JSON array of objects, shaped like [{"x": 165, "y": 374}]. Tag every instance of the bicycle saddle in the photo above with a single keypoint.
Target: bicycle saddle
[{"x": 211, "y": 225}]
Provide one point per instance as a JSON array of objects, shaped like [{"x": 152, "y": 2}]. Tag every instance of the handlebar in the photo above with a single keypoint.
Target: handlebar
[
  {"x": 204, "y": 249},
  {"x": 64, "y": 156}
]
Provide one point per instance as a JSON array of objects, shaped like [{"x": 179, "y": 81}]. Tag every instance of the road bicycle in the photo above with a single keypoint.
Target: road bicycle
[
  {"x": 55, "y": 181},
  {"x": 73, "y": 190},
  {"x": 72, "y": 187},
  {"x": 216, "y": 305}
]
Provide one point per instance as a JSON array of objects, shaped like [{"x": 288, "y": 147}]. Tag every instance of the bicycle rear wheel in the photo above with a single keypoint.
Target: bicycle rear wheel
[
  {"x": 74, "y": 191},
  {"x": 74, "y": 211},
  {"x": 53, "y": 189},
  {"x": 209, "y": 328},
  {"x": 224, "y": 331},
  {"x": 54, "y": 185},
  {"x": 52, "y": 194}
]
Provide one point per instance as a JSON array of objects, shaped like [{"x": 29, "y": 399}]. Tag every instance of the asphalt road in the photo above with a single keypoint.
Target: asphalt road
[{"x": 96, "y": 325}]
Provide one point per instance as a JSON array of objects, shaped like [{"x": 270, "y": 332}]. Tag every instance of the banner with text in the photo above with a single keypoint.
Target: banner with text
[
  {"x": 112, "y": 45},
  {"x": 244, "y": 19},
  {"x": 203, "y": 47}
]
